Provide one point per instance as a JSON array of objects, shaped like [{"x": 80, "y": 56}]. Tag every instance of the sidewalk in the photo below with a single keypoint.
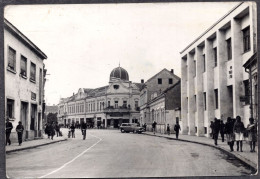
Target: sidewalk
[
  {"x": 33, "y": 143},
  {"x": 246, "y": 156}
]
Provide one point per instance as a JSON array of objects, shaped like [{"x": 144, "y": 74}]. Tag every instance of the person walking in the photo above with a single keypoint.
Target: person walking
[
  {"x": 84, "y": 129},
  {"x": 154, "y": 126},
  {"x": 252, "y": 134},
  {"x": 57, "y": 129},
  {"x": 168, "y": 129},
  {"x": 145, "y": 126},
  {"x": 19, "y": 130},
  {"x": 239, "y": 128},
  {"x": 72, "y": 129},
  {"x": 229, "y": 133},
  {"x": 52, "y": 130},
  {"x": 177, "y": 128},
  {"x": 216, "y": 128},
  {"x": 8, "y": 129},
  {"x": 222, "y": 130}
]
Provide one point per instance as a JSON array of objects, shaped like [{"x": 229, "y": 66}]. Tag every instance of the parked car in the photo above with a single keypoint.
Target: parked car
[{"x": 131, "y": 127}]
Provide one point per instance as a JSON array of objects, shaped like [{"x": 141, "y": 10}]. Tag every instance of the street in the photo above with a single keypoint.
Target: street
[{"x": 110, "y": 153}]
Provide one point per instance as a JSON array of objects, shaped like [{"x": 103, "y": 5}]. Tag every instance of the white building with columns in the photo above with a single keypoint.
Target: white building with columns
[{"x": 214, "y": 82}]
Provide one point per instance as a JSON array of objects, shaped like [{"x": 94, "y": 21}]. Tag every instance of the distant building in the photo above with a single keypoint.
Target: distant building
[
  {"x": 160, "y": 100},
  {"x": 51, "y": 109},
  {"x": 214, "y": 82},
  {"x": 23, "y": 82},
  {"x": 107, "y": 106}
]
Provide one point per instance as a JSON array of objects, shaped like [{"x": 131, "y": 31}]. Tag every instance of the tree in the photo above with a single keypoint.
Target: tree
[{"x": 52, "y": 117}]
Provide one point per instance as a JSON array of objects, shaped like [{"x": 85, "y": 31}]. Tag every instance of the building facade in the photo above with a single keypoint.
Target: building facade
[
  {"x": 214, "y": 82},
  {"x": 23, "y": 82},
  {"x": 157, "y": 102},
  {"x": 107, "y": 106}
]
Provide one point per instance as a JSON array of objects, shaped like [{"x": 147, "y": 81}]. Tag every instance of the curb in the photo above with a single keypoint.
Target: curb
[
  {"x": 243, "y": 160},
  {"x": 30, "y": 147}
]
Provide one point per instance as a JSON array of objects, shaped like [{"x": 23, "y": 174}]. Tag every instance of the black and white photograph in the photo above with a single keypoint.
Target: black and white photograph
[{"x": 120, "y": 90}]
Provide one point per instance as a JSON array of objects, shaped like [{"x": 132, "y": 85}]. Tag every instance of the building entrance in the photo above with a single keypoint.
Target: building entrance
[{"x": 24, "y": 118}]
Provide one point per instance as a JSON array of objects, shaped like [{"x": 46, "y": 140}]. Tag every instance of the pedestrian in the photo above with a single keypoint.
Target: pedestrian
[
  {"x": 19, "y": 130},
  {"x": 84, "y": 129},
  {"x": 222, "y": 130},
  {"x": 8, "y": 129},
  {"x": 52, "y": 130},
  {"x": 72, "y": 128},
  {"x": 215, "y": 129},
  {"x": 177, "y": 128},
  {"x": 252, "y": 134},
  {"x": 211, "y": 129},
  {"x": 168, "y": 129},
  {"x": 154, "y": 126},
  {"x": 47, "y": 130},
  {"x": 239, "y": 129},
  {"x": 57, "y": 129},
  {"x": 229, "y": 133}
]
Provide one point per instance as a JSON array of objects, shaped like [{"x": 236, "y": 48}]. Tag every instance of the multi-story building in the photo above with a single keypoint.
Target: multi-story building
[
  {"x": 107, "y": 106},
  {"x": 23, "y": 82},
  {"x": 214, "y": 82},
  {"x": 154, "y": 105}
]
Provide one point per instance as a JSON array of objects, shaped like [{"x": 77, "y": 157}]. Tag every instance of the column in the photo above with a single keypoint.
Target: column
[
  {"x": 237, "y": 44},
  {"x": 191, "y": 90},
  {"x": 199, "y": 95},
  {"x": 184, "y": 104}
]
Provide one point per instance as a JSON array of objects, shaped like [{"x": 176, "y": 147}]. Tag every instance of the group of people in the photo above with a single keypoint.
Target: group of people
[
  {"x": 177, "y": 128},
  {"x": 51, "y": 128},
  {"x": 83, "y": 128},
  {"x": 8, "y": 129},
  {"x": 235, "y": 131}
]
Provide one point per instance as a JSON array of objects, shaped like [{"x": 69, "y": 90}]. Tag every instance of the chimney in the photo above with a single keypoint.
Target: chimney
[
  {"x": 142, "y": 80},
  {"x": 172, "y": 71}
]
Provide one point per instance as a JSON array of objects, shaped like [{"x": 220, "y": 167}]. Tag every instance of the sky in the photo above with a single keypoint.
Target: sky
[{"x": 85, "y": 42}]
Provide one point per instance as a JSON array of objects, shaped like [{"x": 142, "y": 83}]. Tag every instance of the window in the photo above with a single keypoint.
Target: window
[
  {"x": 136, "y": 104},
  {"x": 229, "y": 49},
  {"x": 124, "y": 104},
  {"x": 10, "y": 108},
  {"x": 23, "y": 65},
  {"x": 170, "y": 80},
  {"x": 247, "y": 91},
  {"x": 11, "y": 59},
  {"x": 215, "y": 56},
  {"x": 108, "y": 103},
  {"x": 246, "y": 39},
  {"x": 33, "y": 72},
  {"x": 116, "y": 104},
  {"x": 159, "y": 81},
  {"x": 205, "y": 101},
  {"x": 205, "y": 130},
  {"x": 204, "y": 63},
  {"x": 216, "y": 98},
  {"x": 33, "y": 96}
]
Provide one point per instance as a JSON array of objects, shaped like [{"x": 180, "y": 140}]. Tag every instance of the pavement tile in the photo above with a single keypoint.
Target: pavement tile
[{"x": 246, "y": 156}]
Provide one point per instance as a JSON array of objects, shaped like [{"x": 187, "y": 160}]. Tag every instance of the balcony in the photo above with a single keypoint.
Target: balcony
[{"x": 120, "y": 109}]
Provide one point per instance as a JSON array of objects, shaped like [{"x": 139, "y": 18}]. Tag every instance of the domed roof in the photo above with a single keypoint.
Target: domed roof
[{"x": 120, "y": 73}]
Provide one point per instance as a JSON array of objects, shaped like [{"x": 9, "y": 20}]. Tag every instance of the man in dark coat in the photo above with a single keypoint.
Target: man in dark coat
[
  {"x": 154, "y": 126},
  {"x": 57, "y": 129},
  {"x": 72, "y": 128},
  {"x": 8, "y": 129},
  {"x": 216, "y": 128},
  {"x": 177, "y": 128},
  {"x": 84, "y": 129},
  {"x": 19, "y": 130},
  {"x": 222, "y": 130}
]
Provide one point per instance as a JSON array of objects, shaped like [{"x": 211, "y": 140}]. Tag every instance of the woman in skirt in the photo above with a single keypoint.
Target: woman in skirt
[
  {"x": 252, "y": 134},
  {"x": 239, "y": 129}
]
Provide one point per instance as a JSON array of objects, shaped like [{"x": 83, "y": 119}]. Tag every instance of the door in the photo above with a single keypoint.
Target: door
[{"x": 24, "y": 118}]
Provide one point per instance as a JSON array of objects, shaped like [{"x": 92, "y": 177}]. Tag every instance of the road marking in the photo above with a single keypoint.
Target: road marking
[{"x": 64, "y": 165}]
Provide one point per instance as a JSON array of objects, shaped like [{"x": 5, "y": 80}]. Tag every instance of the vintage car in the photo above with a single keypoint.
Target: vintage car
[{"x": 131, "y": 127}]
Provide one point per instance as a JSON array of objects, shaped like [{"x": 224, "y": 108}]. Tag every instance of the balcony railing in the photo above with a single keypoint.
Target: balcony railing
[{"x": 121, "y": 109}]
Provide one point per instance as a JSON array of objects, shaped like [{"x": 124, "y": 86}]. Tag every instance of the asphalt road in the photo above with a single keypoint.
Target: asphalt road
[{"x": 110, "y": 153}]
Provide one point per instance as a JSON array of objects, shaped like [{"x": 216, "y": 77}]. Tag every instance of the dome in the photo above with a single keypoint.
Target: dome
[{"x": 120, "y": 73}]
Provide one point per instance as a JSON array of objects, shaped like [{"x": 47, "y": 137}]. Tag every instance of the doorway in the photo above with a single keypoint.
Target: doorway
[{"x": 24, "y": 118}]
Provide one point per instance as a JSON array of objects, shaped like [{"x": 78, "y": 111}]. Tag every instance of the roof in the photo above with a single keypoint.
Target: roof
[
  {"x": 160, "y": 72},
  {"x": 211, "y": 27},
  {"x": 19, "y": 35},
  {"x": 51, "y": 109},
  {"x": 98, "y": 91},
  {"x": 140, "y": 85}
]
